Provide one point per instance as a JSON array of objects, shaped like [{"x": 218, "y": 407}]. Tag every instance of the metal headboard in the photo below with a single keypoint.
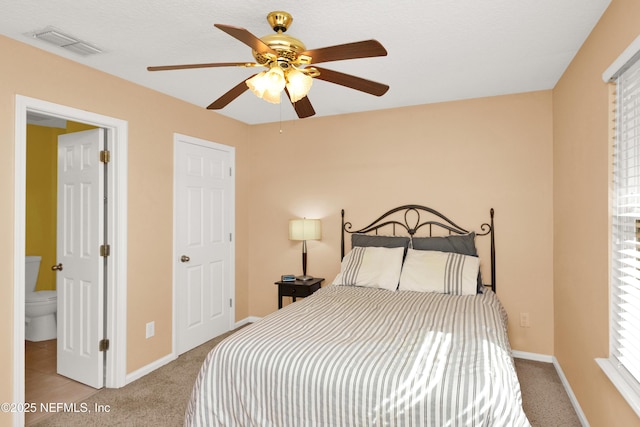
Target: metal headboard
[{"x": 388, "y": 219}]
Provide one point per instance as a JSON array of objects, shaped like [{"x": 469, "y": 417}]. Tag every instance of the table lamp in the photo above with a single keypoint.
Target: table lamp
[{"x": 305, "y": 229}]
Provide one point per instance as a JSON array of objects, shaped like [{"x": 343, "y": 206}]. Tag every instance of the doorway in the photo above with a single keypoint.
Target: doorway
[{"x": 115, "y": 217}]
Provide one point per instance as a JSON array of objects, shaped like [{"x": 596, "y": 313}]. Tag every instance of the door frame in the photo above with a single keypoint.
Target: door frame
[
  {"x": 177, "y": 139},
  {"x": 115, "y": 311}
]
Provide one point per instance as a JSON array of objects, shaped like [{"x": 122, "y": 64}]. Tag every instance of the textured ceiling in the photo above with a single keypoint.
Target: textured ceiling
[{"x": 439, "y": 50}]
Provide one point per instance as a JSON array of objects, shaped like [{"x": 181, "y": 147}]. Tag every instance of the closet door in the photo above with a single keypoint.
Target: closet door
[{"x": 204, "y": 206}]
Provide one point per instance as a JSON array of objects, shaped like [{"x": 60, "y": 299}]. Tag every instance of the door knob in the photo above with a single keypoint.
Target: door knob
[
  {"x": 184, "y": 258},
  {"x": 57, "y": 267}
]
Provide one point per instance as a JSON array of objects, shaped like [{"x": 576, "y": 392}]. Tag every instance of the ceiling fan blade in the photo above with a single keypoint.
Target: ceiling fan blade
[
  {"x": 353, "y": 82},
  {"x": 232, "y": 94},
  {"x": 209, "y": 65},
  {"x": 303, "y": 106},
  {"x": 363, "y": 49},
  {"x": 246, "y": 37}
]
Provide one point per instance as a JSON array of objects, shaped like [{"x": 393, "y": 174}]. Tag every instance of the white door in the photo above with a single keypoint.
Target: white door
[
  {"x": 79, "y": 278},
  {"x": 203, "y": 241}
]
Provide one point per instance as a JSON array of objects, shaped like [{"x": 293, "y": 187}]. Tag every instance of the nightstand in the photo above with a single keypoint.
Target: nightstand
[{"x": 297, "y": 288}]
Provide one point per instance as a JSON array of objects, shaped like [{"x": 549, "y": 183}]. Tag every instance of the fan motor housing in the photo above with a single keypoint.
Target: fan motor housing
[{"x": 287, "y": 47}]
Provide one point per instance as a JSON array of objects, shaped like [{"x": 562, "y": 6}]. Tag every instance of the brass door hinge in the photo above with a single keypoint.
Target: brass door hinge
[
  {"x": 103, "y": 345},
  {"x": 105, "y": 156},
  {"x": 105, "y": 250}
]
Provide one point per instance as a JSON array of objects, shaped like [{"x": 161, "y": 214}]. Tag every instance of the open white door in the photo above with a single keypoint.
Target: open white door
[
  {"x": 80, "y": 267},
  {"x": 204, "y": 207}
]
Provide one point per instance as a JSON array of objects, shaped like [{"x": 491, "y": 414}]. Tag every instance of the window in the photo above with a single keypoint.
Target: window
[
  {"x": 625, "y": 257},
  {"x": 623, "y": 364}
]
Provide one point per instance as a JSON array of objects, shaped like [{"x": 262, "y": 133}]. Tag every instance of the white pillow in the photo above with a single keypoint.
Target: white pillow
[
  {"x": 370, "y": 266},
  {"x": 443, "y": 272}
]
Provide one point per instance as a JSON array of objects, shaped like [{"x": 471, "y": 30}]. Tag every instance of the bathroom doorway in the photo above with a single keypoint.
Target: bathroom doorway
[{"x": 115, "y": 217}]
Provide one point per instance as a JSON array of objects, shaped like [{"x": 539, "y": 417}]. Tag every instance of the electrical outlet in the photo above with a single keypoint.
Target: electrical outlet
[
  {"x": 524, "y": 320},
  {"x": 151, "y": 329}
]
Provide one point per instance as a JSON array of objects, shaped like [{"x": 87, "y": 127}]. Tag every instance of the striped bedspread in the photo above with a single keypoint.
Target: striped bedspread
[{"x": 352, "y": 356}]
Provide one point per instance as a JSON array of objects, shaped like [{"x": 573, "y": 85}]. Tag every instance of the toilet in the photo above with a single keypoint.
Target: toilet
[{"x": 40, "y": 306}]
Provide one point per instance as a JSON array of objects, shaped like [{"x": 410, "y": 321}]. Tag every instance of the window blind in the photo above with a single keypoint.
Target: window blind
[{"x": 625, "y": 257}]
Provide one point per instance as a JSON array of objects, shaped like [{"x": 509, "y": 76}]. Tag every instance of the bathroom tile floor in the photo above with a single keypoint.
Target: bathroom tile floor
[{"x": 43, "y": 384}]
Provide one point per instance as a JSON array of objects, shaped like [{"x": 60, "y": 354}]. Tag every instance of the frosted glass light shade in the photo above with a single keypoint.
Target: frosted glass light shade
[
  {"x": 271, "y": 96},
  {"x": 305, "y": 229},
  {"x": 268, "y": 84},
  {"x": 257, "y": 84},
  {"x": 298, "y": 84},
  {"x": 276, "y": 79}
]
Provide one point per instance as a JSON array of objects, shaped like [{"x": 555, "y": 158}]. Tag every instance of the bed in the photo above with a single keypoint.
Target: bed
[{"x": 407, "y": 334}]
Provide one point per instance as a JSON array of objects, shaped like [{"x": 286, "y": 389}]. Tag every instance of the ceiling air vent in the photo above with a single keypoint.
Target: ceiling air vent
[{"x": 65, "y": 41}]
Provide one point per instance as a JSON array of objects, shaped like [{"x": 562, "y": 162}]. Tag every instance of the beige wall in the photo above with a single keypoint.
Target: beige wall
[
  {"x": 152, "y": 118},
  {"x": 581, "y": 200},
  {"x": 461, "y": 158}
]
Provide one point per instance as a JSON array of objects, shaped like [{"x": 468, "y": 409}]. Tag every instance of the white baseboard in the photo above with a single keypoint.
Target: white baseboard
[
  {"x": 536, "y": 357},
  {"x": 572, "y": 397},
  {"x": 247, "y": 320},
  {"x": 149, "y": 368}
]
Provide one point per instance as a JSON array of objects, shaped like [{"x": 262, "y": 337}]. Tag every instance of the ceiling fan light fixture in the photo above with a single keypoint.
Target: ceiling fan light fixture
[
  {"x": 289, "y": 65},
  {"x": 298, "y": 84},
  {"x": 268, "y": 85}
]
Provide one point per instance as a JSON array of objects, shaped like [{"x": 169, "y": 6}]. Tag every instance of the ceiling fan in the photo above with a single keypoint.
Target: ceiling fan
[{"x": 289, "y": 66}]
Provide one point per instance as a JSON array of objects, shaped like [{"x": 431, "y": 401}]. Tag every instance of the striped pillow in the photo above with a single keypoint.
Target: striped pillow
[
  {"x": 442, "y": 272},
  {"x": 372, "y": 267}
]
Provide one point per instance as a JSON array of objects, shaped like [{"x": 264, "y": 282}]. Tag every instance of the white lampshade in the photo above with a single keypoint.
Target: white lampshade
[
  {"x": 268, "y": 85},
  {"x": 258, "y": 84},
  {"x": 298, "y": 84},
  {"x": 305, "y": 229},
  {"x": 276, "y": 79},
  {"x": 272, "y": 96}
]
